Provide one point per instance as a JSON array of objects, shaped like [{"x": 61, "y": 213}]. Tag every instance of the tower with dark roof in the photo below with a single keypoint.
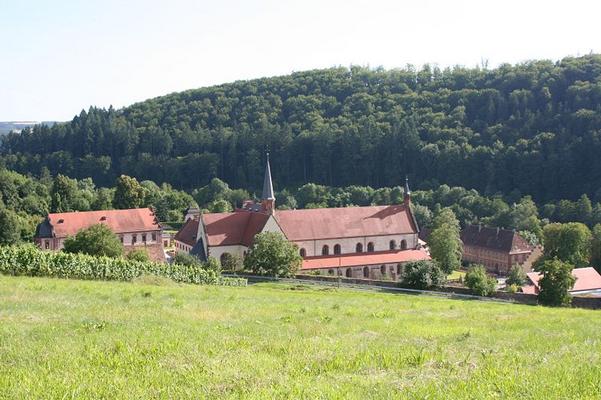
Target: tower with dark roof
[
  {"x": 407, "y": 194},
  {"x": 267, "y": 197}
]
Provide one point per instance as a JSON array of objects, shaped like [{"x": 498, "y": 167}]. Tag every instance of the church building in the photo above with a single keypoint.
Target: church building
[{"x": 369, "y": 242}]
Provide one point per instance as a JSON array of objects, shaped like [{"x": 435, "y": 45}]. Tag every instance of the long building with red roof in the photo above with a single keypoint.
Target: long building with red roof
[
  {"x": 136, "y": 228},
  {"x": 363, "y": 242}
]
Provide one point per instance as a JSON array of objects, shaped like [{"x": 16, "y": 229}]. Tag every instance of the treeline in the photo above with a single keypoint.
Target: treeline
[
  {"x": 25, "y": 201},
  {"x": 527, "y": 129}
]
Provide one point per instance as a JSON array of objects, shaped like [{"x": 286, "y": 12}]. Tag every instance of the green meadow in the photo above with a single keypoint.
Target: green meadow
[{"x": 68, "y": 339}]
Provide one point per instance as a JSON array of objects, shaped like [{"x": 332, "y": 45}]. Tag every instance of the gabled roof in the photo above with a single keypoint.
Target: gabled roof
[
  {"x": 238, "y": 227},
  {"x": 187, "y": 234},
  {"x": 496, "y": 239},
  {"x": 361, "y": 259},
  {"x": 119, "y": 221},
  {"x": 328, "y": 223},
  {"x": 586, "y": 279}
]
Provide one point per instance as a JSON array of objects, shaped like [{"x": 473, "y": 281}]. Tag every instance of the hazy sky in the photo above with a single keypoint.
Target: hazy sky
[{"x": 57, "y": 57}]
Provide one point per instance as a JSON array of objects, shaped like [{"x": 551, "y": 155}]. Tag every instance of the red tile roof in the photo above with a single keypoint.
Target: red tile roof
[
  {"x": 239, "y": 227},
  {"x": 326, "y": 223},
  {"x": 120, "y": 221},
  {"x": 187, "y": 234},
  {"x": 496, "y": 239},
  {"x": 586, "y": 279},
  {"x": 360, "y": 259}
]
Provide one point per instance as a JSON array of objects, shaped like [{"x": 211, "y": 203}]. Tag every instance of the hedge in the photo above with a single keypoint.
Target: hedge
[{"x": 28, "y": 260}]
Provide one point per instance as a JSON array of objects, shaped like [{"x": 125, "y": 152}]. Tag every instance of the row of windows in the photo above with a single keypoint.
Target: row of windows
[
  {"x": 178, "y": 245},
  {"x": 325, "y": 250},
  {"x": 349, "y": 271},
  {"x": 134, "y": 238}
]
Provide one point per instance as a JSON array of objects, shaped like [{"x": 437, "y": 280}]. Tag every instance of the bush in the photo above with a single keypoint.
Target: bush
[
  {"x": 422, "y": 274},
  {"x": 138, "y": 255},
  {"x": 479, "y": 282},
  {"x": 186, "y": 259},
  {"x": 516, "y": 276},
  {"x": 28, "y": 260},
  {"x": 231, "y": 263},
  {"x": 512, "y": 288}
]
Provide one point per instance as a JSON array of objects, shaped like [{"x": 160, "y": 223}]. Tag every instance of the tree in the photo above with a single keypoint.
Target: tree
[
  {"x": 10, "y": 232},
  {"x": 569, "y": 242},
  {"x": 128, "y": 193},
  {"x": 220, "y": 206},
  {"x": 423, "y": 274},
  {"x": 138, "y": 255},
  {"x": 479, "y": 282},
  {"x": 444, "y": 242},
  {"x": 516, "y": 276},
  {"x": 596, "y": 248},
  {"x": 271, "y": 254},
  {"x": 64, "y": 192},
  {"x": 97, "y": 240},
  {"x": 556, "y": 282}
]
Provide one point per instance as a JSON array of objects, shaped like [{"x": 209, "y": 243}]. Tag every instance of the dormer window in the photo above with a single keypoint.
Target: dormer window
[
  {"x": 60, "y": 221},
  {"x": 103, "y": 218}
]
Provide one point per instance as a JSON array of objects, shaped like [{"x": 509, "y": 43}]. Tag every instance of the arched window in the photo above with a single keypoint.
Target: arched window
[
  {"x": 370, "y": 247},
  {"x": 359, "y": 248},
  {"x": 224, "y": 257},
  {"x": 336, "y": 249},
  {"x": 403, "y": 244},
  {"x": 383, "y": 269},
  {"x": 392, "y": 244},
  {"x": 330, "y": 272},
  {"x": 303, "y": 253},
  {"x": 325, "y": 250},
  {"x": 365, "y": 272},
  {"x": 349, "y": 273}
]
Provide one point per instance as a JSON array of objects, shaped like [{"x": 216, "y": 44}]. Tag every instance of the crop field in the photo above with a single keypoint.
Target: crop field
[{"x": 69, "y": 339}]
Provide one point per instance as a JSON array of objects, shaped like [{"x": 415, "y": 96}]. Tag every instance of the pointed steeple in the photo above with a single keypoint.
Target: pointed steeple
[
  {"x": 268, "y": 198},
  {"x": 267, "y": 184},
  {"x": 407, "y": 195}
]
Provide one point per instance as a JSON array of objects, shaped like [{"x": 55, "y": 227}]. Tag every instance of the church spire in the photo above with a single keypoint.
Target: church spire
[
  {"x": 268, "y": 198},
  {"x": 407, "y": 194}
]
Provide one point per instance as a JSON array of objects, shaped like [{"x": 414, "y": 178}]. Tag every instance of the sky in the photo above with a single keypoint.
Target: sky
[{"x": 59, "y": 57}]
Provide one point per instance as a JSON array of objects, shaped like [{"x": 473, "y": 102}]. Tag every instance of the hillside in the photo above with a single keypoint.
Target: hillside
[
  {"x": 78, "y": 339},
  {"x": 532, "y": 128},
  {"x": 7, "y": 126}
]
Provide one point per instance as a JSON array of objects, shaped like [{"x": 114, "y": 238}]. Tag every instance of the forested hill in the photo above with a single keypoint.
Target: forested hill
[{"x": 533, "y": 127}]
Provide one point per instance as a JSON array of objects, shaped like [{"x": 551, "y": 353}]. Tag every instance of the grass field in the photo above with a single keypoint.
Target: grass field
[{"x": 74, "y": 339}]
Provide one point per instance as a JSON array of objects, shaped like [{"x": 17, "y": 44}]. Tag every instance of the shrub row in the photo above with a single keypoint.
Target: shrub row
[{"x": 28, "y": 260}]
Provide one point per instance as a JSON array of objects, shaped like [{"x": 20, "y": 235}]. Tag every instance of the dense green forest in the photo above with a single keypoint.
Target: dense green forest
[{"x": 528, "y": 129}]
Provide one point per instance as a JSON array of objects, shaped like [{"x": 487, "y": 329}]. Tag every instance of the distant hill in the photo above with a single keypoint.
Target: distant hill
[
  {"x": 532, "y": 128},
  {"x": 7, "y": 126}
]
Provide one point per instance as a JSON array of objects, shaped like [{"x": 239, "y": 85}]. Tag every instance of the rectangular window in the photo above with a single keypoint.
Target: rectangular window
[
  {"x": 121, "y": 238},
  {"x": 134, "y": 239},
  {"x": 154, "y": 237},
  {"x": 144, "y": 238},
  {"x": 47, "y": 244}
]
